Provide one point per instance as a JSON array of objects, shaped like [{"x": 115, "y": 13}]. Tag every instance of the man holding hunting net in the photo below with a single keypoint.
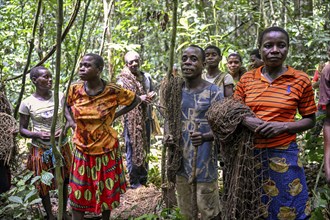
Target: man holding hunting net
[
  {"x": 274, "y": 92},
  {"x": 192, "y": 157},
  {"x": 137, "y": 123}
]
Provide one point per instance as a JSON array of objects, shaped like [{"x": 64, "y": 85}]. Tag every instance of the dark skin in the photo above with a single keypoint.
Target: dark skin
[
  {"x": 90, "y": 73},
  {"x": 234, "y": 64},
  {"x": 43, "y": 84},
  {"x": 132, "y": 61},
  {"x": 192, "y": 67},
  {"x": 326, "y": 134},
  {"x": 274, "y": 49},
  {"x": 255, "y": 62},
  {"x": 212, "y": 64}
]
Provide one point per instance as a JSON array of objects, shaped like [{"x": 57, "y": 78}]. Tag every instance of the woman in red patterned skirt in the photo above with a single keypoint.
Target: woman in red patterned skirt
[{"x": 97, "y": 176}]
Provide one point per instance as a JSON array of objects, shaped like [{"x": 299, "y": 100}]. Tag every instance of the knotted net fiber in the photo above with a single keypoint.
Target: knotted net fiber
[
  {"x": 7, "y": 126},
  {"x": 171, "y": 96},
  {"x": 241, "y": 198}
]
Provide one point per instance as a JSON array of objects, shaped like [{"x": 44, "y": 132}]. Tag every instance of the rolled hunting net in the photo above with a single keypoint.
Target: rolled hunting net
[
  {"x": 7, "y": 126},
  {"x": 242, "y": 177}
]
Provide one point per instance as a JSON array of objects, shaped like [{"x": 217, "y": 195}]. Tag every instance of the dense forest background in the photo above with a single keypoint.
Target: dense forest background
[{"x": 28, "y": 31}]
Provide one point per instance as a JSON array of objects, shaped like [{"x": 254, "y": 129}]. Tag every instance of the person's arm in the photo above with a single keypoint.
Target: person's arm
[
  {"x": 326, "y": 134},
  {"x": 252, "y": 123},
  {"x": 272, "y": 129},
  {"x": 316, "y": 85},
  {"x": 228, "y": 90},
  {"x": 128, "y": 108},
  {"x": 25, "y": 132},
  {"x": 70, "y": 123}
]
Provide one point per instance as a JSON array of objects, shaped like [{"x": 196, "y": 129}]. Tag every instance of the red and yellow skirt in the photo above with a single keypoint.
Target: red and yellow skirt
[
  {"x": 38, "y": 161},
  {"x": 96, "y": 182}
]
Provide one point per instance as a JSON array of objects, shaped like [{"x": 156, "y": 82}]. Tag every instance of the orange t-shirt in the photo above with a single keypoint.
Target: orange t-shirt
[
  {"x": 94, "y": 116},
  {"x": 277, "y": 101}
]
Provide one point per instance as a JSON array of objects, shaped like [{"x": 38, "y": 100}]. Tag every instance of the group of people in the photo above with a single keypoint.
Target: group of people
[
  {"x": 95, "y": 171},
  {"x": 274, "y": 92}
]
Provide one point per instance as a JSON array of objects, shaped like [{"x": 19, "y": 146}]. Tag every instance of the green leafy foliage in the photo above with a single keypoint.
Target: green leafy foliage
[{"x": 19, "y": 201}]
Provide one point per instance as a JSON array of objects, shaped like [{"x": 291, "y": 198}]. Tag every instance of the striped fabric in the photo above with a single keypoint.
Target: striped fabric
[{"x": 277, "y": 101}]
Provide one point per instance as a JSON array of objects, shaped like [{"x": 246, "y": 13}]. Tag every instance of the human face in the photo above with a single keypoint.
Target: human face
[
  {"x": 212, "y": 57},
  {"x": 274, "y": 48},
  {"x": 255, "y": 61},
  {"x": 44, "y": 80},
  {"x": 192, "y": 63},
  {"x": 87, "y": 69},
  {"x": 133, "y": 63},
  {"x": 233, "y": 64}
]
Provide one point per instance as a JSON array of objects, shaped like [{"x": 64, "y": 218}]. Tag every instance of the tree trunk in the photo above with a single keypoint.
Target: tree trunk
[{"x": 56, "y": 151}]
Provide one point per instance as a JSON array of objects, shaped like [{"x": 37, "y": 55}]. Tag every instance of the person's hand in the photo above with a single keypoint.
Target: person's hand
[
  {"x": 272, "y": 129},
  {"x": 42, "y": 135},
  {"x": 252, "y": 123},
  {"x": 148, "y": 98},
  {"x": 58, "y": 133},
  {"x": 168, "y": 139},
  {"x": 69, "y": 124},
  {"x": 196, "y": 138}
]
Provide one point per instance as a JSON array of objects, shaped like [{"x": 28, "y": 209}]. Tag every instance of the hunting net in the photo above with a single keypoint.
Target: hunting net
[
  {"x": 171, "y": 95},
  {"x": 7, "y": 142},
  {"x": 241, "y": 197}
]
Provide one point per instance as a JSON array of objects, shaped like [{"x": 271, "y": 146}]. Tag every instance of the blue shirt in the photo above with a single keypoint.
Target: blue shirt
[{"x": 193, "y": 108}]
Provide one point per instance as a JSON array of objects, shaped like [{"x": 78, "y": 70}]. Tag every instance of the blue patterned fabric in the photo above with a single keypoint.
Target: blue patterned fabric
[
  {"x": 284, "y": 183},
  {"x": 194, "y": 106}
]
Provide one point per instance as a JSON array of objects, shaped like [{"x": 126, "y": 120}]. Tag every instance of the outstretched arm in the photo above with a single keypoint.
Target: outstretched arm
[{"x": 128, "y": 108}]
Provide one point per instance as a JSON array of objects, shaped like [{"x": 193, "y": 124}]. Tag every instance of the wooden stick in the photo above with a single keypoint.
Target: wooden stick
[{"x": 192, "y": 179}]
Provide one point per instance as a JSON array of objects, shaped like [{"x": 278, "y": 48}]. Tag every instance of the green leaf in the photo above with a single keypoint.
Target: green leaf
[
  {"x": 46, "y": 177},
  {"x": 30, "y": 194},
  {"x": 184, "y": 23},
  {"x": 182, "y": 45},
  {"x": 34, "y": 179},
  {"x": 13, "y": 206},
  {"x": 15, "y": 199},
  {"x": 36, "y": 201}
]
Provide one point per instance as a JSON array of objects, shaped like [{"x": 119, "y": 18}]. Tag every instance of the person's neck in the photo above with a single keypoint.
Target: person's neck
[
  {"x": 273, "y": 72},
  {"x": 235, "y": 75},
  {"x": 212, "y": 71},
  {"x": 194, "y": 84},
  {"x": 97, "y": 83},
  {"x": 43, "y": 94}
]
